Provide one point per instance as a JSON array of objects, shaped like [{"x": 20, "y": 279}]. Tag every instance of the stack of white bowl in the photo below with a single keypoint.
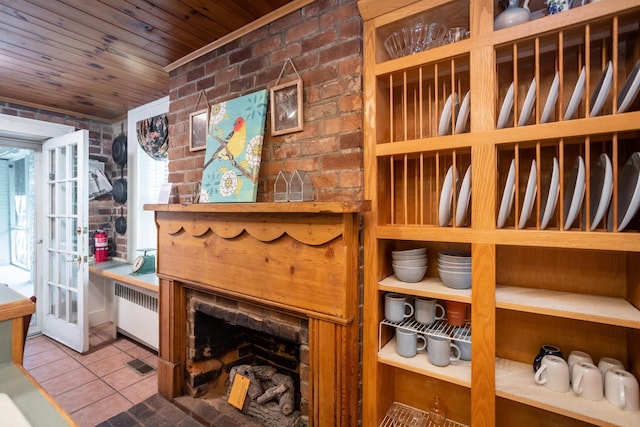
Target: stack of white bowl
[
  {"x": 409, "y": 265},
  {"x": 455, "y": 269}
]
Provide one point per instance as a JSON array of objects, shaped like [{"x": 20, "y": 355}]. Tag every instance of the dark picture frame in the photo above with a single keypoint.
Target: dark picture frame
[
  {"x": 286, "y": 108},
  {"x": 198, "y": 122}
]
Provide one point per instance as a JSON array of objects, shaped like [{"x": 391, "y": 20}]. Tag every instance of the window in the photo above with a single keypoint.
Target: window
[{"x": 146, "y": 176}]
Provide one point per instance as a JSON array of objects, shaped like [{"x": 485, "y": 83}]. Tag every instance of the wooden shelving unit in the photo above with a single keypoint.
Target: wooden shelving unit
[{"x": 576, "y": 288}]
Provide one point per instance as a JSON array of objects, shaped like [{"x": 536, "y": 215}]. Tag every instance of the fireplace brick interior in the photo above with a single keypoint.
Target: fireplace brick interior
[{"x": 222, "y": 333}]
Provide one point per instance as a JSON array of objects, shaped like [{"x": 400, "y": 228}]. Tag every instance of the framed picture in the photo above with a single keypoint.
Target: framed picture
[
  {"x": 286, "y": 107},
  {"x": 234, "y": 149},
  {"x": 198, "y": 121}
]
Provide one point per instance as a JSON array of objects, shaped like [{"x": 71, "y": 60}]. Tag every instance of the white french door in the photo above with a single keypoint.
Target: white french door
[{"x": 66, "y": 240}]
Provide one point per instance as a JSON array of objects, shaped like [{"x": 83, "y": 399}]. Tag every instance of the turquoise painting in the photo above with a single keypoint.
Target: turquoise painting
[{"x": 234, "y": 149}]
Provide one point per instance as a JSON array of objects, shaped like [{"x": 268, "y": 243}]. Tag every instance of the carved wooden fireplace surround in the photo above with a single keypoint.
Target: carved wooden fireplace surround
[{"x": 300, "y": 258}]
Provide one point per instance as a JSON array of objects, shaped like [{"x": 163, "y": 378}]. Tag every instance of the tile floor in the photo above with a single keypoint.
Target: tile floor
[{"x": 95, "y": 386}]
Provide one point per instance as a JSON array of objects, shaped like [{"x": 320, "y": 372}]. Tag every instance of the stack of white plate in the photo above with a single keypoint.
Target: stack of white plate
[
  {"x": 409, "y": 265},
  {"x": 455, "y": 269}
]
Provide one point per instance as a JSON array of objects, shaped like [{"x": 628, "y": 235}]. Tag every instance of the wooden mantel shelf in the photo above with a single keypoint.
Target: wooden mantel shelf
[{"x": 294, "y": 207}]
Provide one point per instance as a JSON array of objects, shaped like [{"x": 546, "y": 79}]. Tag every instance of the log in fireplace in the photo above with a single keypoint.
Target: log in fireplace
[{"x": 295, "y": 260}]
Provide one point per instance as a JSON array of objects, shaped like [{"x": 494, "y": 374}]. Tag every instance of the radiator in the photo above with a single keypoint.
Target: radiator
[{"x": 137, "y": 314}]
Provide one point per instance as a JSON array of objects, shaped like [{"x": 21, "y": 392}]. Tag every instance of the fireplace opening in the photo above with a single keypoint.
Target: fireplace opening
[{"x": 228, "y": 337}]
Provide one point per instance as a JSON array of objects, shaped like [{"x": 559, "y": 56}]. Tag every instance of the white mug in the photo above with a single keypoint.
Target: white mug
[
  {"x": 621, "y": 389},
  {"x": 396, "y": 307},
  {"x": 426, "y": 310},
  {"x": 577, "y": 356},
  {"x": 553, "y": 373},
  {"x": 440, "y": 349},
  {"x": 587, "y": 381},
  {"x": 463, "y": 343},
  {"x": 407, "y": 342},
  {"x": 606, "y": 363}
]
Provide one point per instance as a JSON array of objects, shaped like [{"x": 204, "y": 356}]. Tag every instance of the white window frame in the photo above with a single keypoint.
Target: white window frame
[{"x": 136, "y": 197}]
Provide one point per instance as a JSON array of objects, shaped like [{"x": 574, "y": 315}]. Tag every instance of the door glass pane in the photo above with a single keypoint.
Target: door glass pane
[
  {"x": 53, "y": 263},
  {"x": 61, "y": 173},
  {"x": 53, "y": 240},
  {"x": 74, "y": 197},
  {"x": 62, "y": 198},
  {"x": 74, "y": 160},
  {"x": 62, "y": 270},
  {"x": 52, "y": 199},
  {"x": 52, "y": 300},
  {"x": 52, "y": 166},
  {"x": 73, "y": 315},
  {"x": 62, "y": 304},
  {"x": 73, "y": 275},
  {"x": 62, "y": 234},
  {"x": 74, "y": 235}
]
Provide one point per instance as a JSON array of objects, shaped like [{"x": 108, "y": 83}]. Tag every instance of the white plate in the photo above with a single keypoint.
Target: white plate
[
  {"x": 600, "y": 189},
  {"x": 576, "y": 96},
  {"x": 602, "y": 91},
  {"x": 630, "y": 89},
  {"x": 445, "y": 119},
  {"x": 464, "y": 196},
  {"x": 628, "y": 192},
  {"x": 529, "y": 102},
  {"x": 551, "y": 99},
  {"x": 446, "y": 198},
  {"x": 529, "y": 196},
  {"x": 463, "y": 114},
  {"x": 505, "y": 110},
  {"x": 574, "y": 193},
  {"x": 507, "y": 195},
  {"x": 550, "y": 199}
]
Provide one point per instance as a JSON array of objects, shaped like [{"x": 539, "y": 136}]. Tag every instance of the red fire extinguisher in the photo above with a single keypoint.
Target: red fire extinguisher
[{"x": 101, "y": 245}]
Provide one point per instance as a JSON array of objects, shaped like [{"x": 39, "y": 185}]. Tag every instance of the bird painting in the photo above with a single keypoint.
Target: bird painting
[{"x": 234, "y": 149}]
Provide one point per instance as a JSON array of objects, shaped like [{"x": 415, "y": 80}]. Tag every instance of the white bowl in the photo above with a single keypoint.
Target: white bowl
[
  {"x": 457, "y": 257},
  {"x": 409, "y": 274},
  {"x": 456, "y": 279},
  {"x": 445, "y": 264},
  {"x": 417, "y": 251},
  {"x": 453, "y": 268},
  {"x": 410, "y": 262}
]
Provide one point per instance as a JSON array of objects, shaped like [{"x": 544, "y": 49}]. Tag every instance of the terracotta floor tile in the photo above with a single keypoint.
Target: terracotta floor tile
[
  {"x": 84, "y": 395},
  {"x": 55, "y": 369},
  {"x": 100, "y": 411},
  {"x": 38, "y": 345},
  {"x": 141, "y": 390},
  {"x": 123, "y": 378},
  {"x": 125, "y": 344},
  {"x": 140, "y": 352},
  {"x": 68, "y": 381},
  {"x": 43, "y": 358},
  {"x": 99, "y": 354},
  {"x": 110, "y": 364}
]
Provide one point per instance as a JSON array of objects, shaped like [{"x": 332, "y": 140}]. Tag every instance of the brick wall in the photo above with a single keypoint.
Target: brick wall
[
  {"x": 324, "y": 41},
  {"x": 101, "y": 135}
]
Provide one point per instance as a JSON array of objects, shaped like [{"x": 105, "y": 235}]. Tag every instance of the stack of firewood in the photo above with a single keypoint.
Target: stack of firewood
[{"x": 270, "y": 396}]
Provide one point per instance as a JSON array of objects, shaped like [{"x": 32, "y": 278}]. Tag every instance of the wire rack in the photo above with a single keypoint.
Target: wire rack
[
  {"x": 401, "y": 415},
  {"x": 437, "y": 328}
]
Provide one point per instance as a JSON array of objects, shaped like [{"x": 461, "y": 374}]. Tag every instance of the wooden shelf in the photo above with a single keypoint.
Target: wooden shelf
[
  {"x": 430, "y": 287},
  {"x": 289, "y": 207},
  {"x": 591, "y": 308},
  {"x": 458, "y": 372},
  {"x": 514, "y": 381},
  {"x": 596, "y": 240}
]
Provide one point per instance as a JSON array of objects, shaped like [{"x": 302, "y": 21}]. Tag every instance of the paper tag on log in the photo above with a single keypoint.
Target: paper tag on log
[{"x": 239, "y": 391}]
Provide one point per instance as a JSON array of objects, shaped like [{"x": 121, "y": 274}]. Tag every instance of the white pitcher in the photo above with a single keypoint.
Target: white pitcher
[{"x": 512, "y": 15}]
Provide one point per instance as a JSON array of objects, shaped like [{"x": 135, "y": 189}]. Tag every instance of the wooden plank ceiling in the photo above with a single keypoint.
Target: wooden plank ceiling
[{"x": 101, "y": 58}]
